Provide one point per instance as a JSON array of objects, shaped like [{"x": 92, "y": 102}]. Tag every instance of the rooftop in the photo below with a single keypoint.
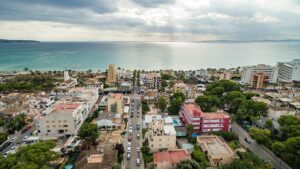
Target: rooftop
[
  {"x": 214, "y": 145},
  {"x": 172, "y": 156},
  {"x": 196, "y": 112}
]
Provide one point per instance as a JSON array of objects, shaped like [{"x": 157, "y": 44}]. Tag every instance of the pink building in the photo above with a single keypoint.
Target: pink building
[{"x": 191, "y": 113}]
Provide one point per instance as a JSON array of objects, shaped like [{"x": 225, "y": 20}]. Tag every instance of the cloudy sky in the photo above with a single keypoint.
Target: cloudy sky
[{"x": 149, "y": 20}]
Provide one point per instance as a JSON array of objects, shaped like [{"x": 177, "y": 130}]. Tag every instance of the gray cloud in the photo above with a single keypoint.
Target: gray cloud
[
  {"x": 153, "y": 3},
  {"x": 222, "y": 19}
]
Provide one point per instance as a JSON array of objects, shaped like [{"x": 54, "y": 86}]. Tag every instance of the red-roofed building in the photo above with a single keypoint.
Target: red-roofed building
[
  {"x": 169, "y": 159},
  {"x": 191, "y": 113}
]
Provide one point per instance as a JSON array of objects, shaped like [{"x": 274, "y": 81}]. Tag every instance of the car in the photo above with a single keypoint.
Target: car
[
  {"x": 138, "y": 115},
  {"x": 129, "y": 139},
  {"x": 14, "y": 138},
  {"x": 248, "y": 140},
  {"x": 129, "y": 144},
  {"x": 128, "y": 156},
  {"x": 138, "y": 149},
  {"x": 25, "y": 137},
  {"x": 130, "y": 127},
  {"x": 138, "y": 162},
  {"x": 130, "y": 131},
  {"x": 138, "y": 136},
  {"x": 12, "y": 147},
  {"x": 128, "y": 149}
]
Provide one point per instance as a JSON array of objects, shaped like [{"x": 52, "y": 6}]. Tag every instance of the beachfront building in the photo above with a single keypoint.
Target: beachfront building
[
  {"x": 124, "y": 74},
  {"x": 111, "y": 74},
  {"x": 218, "y": 151},
  {"x": 61, "y": 120},
  {"x": 151, "y": 80},
  {"x": 289, "y": 71},
  {"x": 169, "y": 159},
  {"x": 256, "y": 75},
  {"x": 191, "y": 113},
  {"x": 161, "y": 136},
  {"x": 115, "y": 103}
]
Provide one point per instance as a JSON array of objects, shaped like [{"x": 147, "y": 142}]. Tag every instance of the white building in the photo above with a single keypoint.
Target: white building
[
  {"x": 124, "y": 74},
  {"x": 65, "y": 117},
  {"x": 271, "y": 73},
  {"x": 289, "y": 72},
  {"x": 62, "y": 120},
  {"x": 201, "y": 73}
]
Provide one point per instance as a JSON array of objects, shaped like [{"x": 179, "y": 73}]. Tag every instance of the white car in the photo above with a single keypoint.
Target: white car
[
  {"x": 14, "y": 138},
  {"x": 128, "y": 149},
  {"x": 13, "y": 147},
  {"x": 129, "y": 144},
  {"x": 25, "y": 137},
  {"x": 138, "y": 149}
]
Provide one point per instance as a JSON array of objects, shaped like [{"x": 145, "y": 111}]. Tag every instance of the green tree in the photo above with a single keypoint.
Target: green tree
[
  {"x": 88, "y": 132},
  {"x": 262, "y": 136},
  {"x": 36, "y": 156},
  {"x": 3, "y": 137},
  {"x": 164, "y": 83},
  {"x": 175, "y": 103},
  {"x": 145, "y": 107},
  {"x": 188, "y": 164},
  {"x": 189, "y": 130},
  {"x": 208, "y": 103},
  {"x": 161, "y": 103}
]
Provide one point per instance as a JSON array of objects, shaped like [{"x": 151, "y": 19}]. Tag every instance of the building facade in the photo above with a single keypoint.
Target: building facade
[
  {"x": 190, "y": 113},
  {"x": 63, "y": 120},
  {"x": 111, "y": 74},
  {"x": 115, "y": 103},
  {"x": 189, "y": 90},
  {"x": 161, "y": 136},
  {"x": 289, "y": 72},
  {"x": 151, "y": 80},
  {"x": 250, "y": 73}
]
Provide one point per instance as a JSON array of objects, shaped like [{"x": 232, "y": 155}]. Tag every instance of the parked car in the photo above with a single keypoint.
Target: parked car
[
  {"x": 128, "y": 149},
  {"x": 248, "y": 140},
  {"x": 129, "y": 138},
  {"x": 130, "y": 131},
  {"x": 138, "y": 136},
  {"x": 138, "y": 162},
  {"x": 129, "y": 144},
  {"x": 138, "y": 149},
  {"x": 128, "y": 156},
  {"x": 14, "y": 138}
]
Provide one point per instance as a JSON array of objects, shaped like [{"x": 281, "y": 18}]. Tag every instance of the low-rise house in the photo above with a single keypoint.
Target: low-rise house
[
  {"x": 191, "y": 113},
  {"x": 169, "y": 159},
  {"x": 218, "y": 151},
  {"x": 161, "y": 136}
]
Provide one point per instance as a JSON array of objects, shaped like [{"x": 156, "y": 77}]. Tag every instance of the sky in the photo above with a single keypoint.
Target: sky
[{"x": 149, "y": 20}]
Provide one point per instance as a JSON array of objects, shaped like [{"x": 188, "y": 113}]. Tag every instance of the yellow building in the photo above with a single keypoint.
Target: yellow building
[{"x": 112, "y": 74}]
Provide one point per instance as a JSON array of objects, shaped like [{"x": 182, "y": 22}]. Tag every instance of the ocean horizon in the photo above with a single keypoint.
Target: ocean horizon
[{"x": 45, "y": 56}]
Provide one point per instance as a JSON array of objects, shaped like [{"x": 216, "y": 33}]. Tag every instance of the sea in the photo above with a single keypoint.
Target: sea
[{"x": 83, "y": 56}]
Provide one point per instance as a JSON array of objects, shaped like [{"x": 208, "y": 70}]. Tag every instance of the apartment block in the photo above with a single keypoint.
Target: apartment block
[
  {"x": 161, "y": 136},
  {"x": 191, "y": 113},
  {"x": 115, "y": 103},
  {"x": 289, "y": 71},
  {"x": 151, "y": 80},
  {"x": 62, "y": 120},
  {"x": 111, "y": 74},
  {"x": 188, "y": 90},
  {"x": 251, "y": 74}
]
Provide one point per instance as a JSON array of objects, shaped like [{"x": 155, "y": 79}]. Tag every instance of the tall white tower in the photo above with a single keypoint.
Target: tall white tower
[{"x": 66, "y": 75}]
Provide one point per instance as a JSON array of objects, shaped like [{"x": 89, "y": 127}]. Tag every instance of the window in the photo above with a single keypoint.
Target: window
[
  {"x": 54, "y": 125},
  {"x": 66, "y": 126},
  {"x": 47, "y": 121},
  {"x": 65, "y": 120},
  {"x": 48, "y": 131},
  {"x": 59, "y": 121}
]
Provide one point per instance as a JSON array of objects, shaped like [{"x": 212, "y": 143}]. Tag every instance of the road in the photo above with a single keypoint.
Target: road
[
  {"x": 135, "y": 142},
  {"x": 20, "y": 136},
  {"x": 259, "y": 150}
]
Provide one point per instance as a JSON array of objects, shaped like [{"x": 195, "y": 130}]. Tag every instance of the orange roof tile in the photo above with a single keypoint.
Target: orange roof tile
[{"x": 173, "y": 156}]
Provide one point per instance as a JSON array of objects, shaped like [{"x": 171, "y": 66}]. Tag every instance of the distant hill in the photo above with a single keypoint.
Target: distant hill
[{"x": 18, "y": 41}]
